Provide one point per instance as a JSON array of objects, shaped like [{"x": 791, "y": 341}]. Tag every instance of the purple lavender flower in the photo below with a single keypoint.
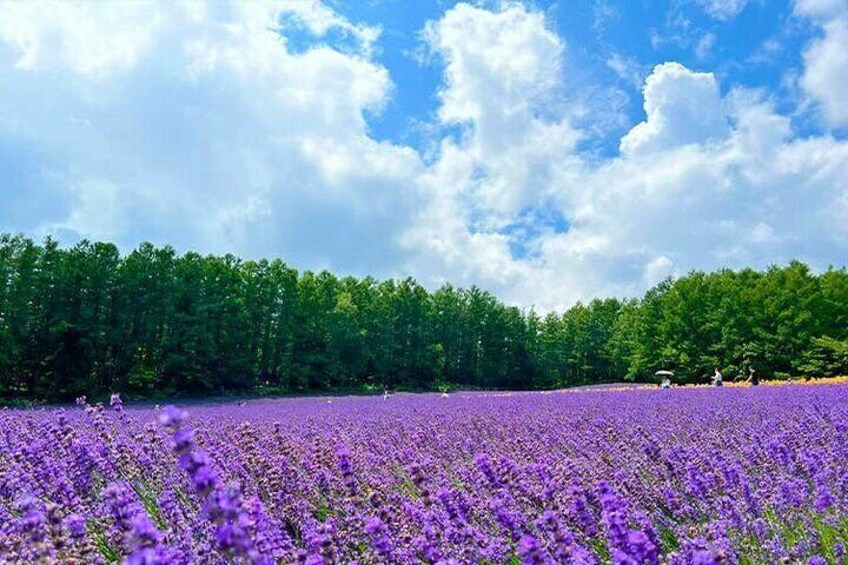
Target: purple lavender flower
[
  {"x": 379, "y": 537},
  {"x": 223, "y": 505},
  {"x": 580, "y": 478},
  {"x": 530, "y": 551},
  {"x": 346, "y": 468}
]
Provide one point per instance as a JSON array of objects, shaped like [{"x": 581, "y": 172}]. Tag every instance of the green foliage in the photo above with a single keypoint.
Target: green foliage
[
  {"x": 85, "y": 320},
  {"x": 826, "y": 357}
]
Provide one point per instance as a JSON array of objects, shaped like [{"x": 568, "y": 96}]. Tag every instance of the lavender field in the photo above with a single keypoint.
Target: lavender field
[{"x": 697, "y": 476}]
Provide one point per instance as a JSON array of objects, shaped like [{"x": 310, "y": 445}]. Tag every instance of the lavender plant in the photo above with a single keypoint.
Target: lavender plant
[{"x": 698, "y": 476}]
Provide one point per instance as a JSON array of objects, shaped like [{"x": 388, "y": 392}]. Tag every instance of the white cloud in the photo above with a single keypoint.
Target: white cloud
[
  {"x": 821, "y": 9},
  {"x": 194, "y": 124},
  {"x": 723, "y": 9},
  {"x": 682, "y": 107},
  {"x": 627, "y": 69},
  {"x": 205, "y": 130},
  {"x": 705, "y": 45},
  {"x": 497, "y": 63},
  {"x": 657, "y": 270},
  {"x": 89, "y": 38},
  {"x": 750, "y": 198},
  {"x": 705, "y": 182},
  {"x": 319, "y": 18},
  {"x": 825, "y": 77},
  {"x": 763, "y": 234},
  {"x": 502, "y": 75}
]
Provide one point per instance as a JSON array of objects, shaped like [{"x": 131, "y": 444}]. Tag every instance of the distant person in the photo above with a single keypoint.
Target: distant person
[
  {"x": 385, "y": 394},
  {"x": 717, "y": 378},
  {"x": 753, "y": 377},
  {"x": 666, "y": 383}
]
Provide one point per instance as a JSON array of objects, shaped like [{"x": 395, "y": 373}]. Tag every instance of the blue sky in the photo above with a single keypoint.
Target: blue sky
[
  {"x": 612, "y": 45},
  {"x": 550, "y": 151}
]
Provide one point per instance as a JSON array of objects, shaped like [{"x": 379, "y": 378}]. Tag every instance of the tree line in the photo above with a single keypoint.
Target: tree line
[{"x": 87, "y": 320}]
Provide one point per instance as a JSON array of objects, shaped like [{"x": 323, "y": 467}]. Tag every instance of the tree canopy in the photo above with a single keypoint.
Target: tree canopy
[{"x": 87, "y": 320}]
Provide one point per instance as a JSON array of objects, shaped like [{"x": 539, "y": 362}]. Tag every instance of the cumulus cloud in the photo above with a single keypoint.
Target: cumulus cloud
[
  {"x": 681, "y": 107},
  {"x": 203, "y": 128},
  {"x": 87, "y": 38},
  {"x": 195, "y": 124},
  {"x": 825, "y": 77},
  {"x": 503, "y": 72},
  {"x": 753, "y": 197},
  {"x": 705, "y": 181}
]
